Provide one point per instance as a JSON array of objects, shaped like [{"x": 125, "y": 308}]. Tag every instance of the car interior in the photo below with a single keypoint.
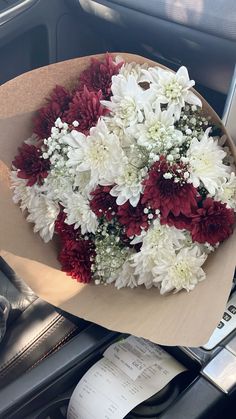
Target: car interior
[{"x": 46, "y": 351}]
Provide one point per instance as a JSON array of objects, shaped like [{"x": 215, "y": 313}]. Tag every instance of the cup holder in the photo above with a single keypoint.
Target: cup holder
[
  {"x": 157, "y": 404},
  {"x": 151, "y": 408},
  {"x": 55, "y": 410}
]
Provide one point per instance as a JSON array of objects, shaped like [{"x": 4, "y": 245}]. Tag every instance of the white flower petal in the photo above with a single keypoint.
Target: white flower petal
[
  {"x": 79, "y": 213},
  {"x": 193, "y": 99},
  {"x": 226, "y": 193},
  {"x": 173, "y": 89},
  {"x": 180, "y": 270},
  {"x": 43, "y": 213},
  {"x": 206, "y": 163},
  {"x": 183, "y": 72}
]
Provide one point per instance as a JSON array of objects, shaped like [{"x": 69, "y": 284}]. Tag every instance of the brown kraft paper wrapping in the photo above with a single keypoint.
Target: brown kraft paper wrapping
[{"x": 186, "y": 319}]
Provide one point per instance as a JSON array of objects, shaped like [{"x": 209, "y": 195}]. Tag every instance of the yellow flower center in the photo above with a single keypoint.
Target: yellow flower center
[
  {"x": 127, "y": 108},
  {"x": 181, "y": 273},
  {"x": 97, "y": 153},
  {"x": 173, "y": 90},
  {"x": 157, "y": 130},
  {"x": 130, "y": 176},
  {"x": 229, "y": 192}
]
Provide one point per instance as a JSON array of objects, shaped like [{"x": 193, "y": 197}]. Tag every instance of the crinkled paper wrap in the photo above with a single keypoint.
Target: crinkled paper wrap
[{"x": 182, "y": 319}]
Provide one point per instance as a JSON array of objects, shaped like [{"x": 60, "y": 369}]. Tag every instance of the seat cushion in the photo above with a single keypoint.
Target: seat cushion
[{"x": 34, "y": 328}]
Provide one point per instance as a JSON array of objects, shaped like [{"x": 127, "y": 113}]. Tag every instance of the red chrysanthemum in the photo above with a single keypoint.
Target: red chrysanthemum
[
  {"x": 132, "y": 218},
  {"x": 76, "y": 259},
  {"x": 86, "y": 109},
  {"x": 98, "y": 76},
  {"x": 167, "y": 195},
  {"x": 213, "y": 222},
  {"x": 182, "y": 222},
  {"x": 102, "y": 203},
  {"x": 65, "y": 231},
  {"x": 31, "y": 165},
  {"x": 57, "y": 104},
  {"x": 61, "y": 96}
]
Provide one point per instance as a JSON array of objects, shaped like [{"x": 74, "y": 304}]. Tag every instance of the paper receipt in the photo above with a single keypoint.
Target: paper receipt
[
  {"x": 133, "y": 355},
  {"x": 130, "y": 372}
]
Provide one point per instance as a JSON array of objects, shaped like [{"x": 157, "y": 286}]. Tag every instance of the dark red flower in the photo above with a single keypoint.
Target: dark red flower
[
  {"x": 98, "y": 75},
  {"x": 86, "y": 109},
  {"x": 167, "y": 195},
  {"x": 132, "y": 218},
  {"x": 181, "y": 221},
  {"x": 57, "y": 104},
  {"x": 61, "y": 96},
  {"x": 31, "y": 165},
  {"x": 64, "y": 230},
  {"x": 75, "y": 258},
  {"x": 212, "y": 223},
  {"x": 102, "y": 203}
]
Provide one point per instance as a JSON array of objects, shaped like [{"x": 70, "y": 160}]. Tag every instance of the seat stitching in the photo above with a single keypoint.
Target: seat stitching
[
  {"x": 30, "y": 342},
  {"x": 34, "y": 346}
]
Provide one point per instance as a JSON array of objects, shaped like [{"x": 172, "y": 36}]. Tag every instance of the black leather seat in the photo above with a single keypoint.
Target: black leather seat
[{"x": 35, "y": 328}]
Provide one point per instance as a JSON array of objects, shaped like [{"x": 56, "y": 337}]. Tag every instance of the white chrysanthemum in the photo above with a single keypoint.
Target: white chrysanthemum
[
  {"x": 133, "y": 69},
  {"x": 160, "y": 235},
  {"x": 158, "y": 238},
  {"x": 22, "y": 194},
  {"x": 100, "y": 153},
  {"x": 158, "y": 133},
  {"x": 206, "y": 163},
  {"x": 226, "y": 193},
  {"x": 57, "y": 187},
  {"x": 76, "y": 142},
  {"x": 43, "y": 213},
  {"x": 76, "y": 151},
  {"x": 137, "y": 156},
  {"x": 139, "y": 239},
  {"x": 127, "y": 101},
  {"x": 125, "y": 277},
  {"x": 74, "y": 139},
  {"x": 172, "y": 89},
  {"x": 79, "y": 213},
  {"x": 82, "y": 181},
  {"x": 179, "y": 270},
  {"x": 229, "y": 158},
  {"x": 129, "y": 185},
  {"x": 125, "y": 139}
]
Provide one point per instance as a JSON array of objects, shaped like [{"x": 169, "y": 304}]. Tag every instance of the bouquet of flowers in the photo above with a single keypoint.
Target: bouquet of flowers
[{"x": 131, "y": 174}]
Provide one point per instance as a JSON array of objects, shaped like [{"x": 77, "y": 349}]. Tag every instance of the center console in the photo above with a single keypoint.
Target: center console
[{"x": 202, "y": 392}]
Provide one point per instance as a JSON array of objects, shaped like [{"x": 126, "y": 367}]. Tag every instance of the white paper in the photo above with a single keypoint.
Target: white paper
[
  {"x": 106, "y": 391},
  {"x": 133, "y": 355}
]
